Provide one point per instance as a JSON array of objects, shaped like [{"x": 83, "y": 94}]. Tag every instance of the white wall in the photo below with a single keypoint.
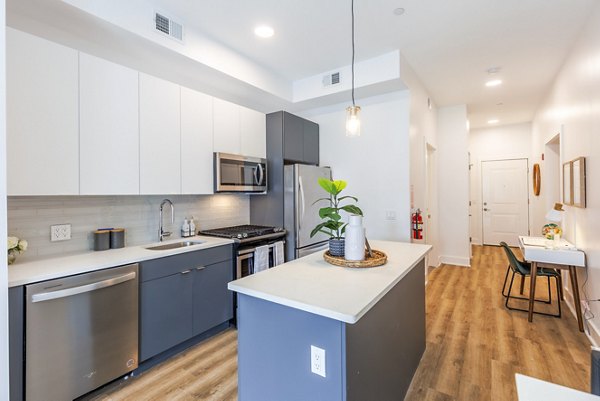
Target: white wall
[
  {"x": 574, "y": 102},
  {"x": 453, "y": 185},
  {"x": 498, "y": 143},
  {"x": 376, "y": 164},
  {"x": 3, "y": 267},
  {"x": 422, "y": 131}
]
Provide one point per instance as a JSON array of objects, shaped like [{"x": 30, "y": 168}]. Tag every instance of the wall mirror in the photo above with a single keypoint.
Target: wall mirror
[
  {"x": 567, "y": 184},
  {"x": 578, "y": 182}
]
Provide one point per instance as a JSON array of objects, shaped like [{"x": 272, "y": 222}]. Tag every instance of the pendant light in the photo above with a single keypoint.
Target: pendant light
[{"x": 353, "y": 112}]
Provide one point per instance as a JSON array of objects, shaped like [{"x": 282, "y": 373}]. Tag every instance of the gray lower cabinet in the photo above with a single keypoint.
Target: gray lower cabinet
[
  {"x": 166, "y": 307},
  {"x": 16, "y": 325},
  {"x": 182, "y": 296}
]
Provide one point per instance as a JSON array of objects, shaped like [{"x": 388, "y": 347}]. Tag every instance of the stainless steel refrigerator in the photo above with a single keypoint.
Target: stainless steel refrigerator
[{"x": 301, "y": 214}]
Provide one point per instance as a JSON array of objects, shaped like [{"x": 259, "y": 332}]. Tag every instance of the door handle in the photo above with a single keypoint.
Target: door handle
[{"x": 46, "y": 296}]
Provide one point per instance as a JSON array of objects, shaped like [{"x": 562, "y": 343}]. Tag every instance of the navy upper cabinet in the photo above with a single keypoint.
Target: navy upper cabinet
[{"x": 300, "y": 140}]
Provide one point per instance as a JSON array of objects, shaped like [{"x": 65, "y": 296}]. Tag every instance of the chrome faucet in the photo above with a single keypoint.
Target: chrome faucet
[{"x": 161, "y": 233}]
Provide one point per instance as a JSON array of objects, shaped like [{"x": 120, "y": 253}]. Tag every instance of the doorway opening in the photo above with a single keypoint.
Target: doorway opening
[{"x": 430, "y": 212}]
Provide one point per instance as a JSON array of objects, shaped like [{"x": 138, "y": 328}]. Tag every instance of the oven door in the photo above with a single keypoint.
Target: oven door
[
  {"x": 235, "y": 173},
  {"x": 245, "y": 258}
]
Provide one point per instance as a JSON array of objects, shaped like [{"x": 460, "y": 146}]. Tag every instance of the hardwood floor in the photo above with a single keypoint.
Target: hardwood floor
[{"x": 474, "y": 347}]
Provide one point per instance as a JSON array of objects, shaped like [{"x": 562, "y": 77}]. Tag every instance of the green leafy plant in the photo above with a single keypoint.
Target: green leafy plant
[{"x": 333, "y": 224}]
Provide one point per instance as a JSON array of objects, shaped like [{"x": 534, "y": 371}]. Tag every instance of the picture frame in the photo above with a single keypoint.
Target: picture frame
[
  {"x": 578, "y": 196},
  {"x": 567, "y": 181}
]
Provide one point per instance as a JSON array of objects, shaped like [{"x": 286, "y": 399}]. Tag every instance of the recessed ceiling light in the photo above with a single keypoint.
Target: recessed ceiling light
[
  {"x": 493, "y": 82},
  {"x": 493, "y": 121},
  {"x": 264, "y": 31},
  {"x": 399, "y": 11}
]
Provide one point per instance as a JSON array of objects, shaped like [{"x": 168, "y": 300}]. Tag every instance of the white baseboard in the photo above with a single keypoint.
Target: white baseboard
[
  {"x": 591, "y": 331},
  {"x": 455, "y": 260}
]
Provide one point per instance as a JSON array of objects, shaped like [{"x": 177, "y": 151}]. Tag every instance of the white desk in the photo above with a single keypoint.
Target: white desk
[{"x": 565, "y": 257}]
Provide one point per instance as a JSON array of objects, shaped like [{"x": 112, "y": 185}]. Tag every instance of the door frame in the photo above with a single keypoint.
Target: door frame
[{"x": 481, "y": 188}]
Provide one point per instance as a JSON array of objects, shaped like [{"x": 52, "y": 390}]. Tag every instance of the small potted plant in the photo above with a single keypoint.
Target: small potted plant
[
  {"x": 332, "y": 223},
  {"x": 15, "y": 246}
]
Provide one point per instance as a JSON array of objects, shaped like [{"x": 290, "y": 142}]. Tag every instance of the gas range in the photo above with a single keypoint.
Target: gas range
[{"x": 246, "y": 233}]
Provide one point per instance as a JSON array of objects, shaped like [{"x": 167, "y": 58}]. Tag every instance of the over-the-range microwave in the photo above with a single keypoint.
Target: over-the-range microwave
[{"x": 236, "y": 173}]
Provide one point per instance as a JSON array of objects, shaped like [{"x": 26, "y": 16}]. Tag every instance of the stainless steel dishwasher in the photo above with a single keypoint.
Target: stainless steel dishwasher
[{"x": 81, "y": 332}]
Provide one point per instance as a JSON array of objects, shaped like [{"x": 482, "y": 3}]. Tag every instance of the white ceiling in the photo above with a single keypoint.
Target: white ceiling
[{"x": 449, "y": 43}]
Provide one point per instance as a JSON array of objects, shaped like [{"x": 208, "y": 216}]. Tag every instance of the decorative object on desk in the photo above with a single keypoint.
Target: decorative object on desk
[
  {"x": 537, "y": 179},
  {"x": 355, "y": 239},
  {"x": 333, "y": 224},
  {"x": 15, "y": 247},
  {"x": 551, "y": 230},
  {"x": 378, "y": 259},
  {"x": 578, "y": 186}
]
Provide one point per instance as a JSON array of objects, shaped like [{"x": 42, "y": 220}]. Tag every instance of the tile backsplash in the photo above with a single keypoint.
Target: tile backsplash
[{"x": 30, "y": 218}]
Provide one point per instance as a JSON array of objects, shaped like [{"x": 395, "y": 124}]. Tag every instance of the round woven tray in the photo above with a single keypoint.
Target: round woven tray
[{"x": 379, "y": 258}]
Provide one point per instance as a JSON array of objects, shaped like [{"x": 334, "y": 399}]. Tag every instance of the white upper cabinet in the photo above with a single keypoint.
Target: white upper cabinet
[
  {"x": 253, "y": 133},
  {"x": 196, "y": 142},
  {"x": 109, "y": 129},
  {"x": 226, "y": 130},
  {"x": 42, "y": 116},
  {"x": 160, "y": 136}
]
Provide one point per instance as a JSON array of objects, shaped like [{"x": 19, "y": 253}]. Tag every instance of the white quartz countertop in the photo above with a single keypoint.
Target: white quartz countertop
[
  {"x": 47, "y": 269},
  {"x": 531, "y": 389},
  {"x": 346, "y": 294}
]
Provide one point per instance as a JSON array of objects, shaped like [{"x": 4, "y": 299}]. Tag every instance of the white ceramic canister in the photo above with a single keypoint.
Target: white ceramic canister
[{"x": 355, "y": 239}]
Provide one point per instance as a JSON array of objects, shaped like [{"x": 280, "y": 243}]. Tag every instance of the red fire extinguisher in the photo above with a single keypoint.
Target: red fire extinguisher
[{"x": 417, "y": 224}]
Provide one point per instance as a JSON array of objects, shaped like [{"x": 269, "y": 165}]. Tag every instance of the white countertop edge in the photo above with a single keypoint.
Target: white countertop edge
[
  {"x": 47, "y": 269},
  {"x": 532, "y": 389},
  {"x": 325, "y": 312}
]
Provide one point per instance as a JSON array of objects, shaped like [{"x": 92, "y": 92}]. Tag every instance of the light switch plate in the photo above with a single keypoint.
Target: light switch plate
[
  {"x": 317, "y": 361},
  {"x": 60, "y": 232},
  {"x": 390, "y": 215}
]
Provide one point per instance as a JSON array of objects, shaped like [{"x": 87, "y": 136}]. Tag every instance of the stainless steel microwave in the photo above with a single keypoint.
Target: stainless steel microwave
[{"x": 236, "y": 173}]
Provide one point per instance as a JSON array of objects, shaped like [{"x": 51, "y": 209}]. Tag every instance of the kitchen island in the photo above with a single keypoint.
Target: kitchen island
[{"x": 369, "y": 322}]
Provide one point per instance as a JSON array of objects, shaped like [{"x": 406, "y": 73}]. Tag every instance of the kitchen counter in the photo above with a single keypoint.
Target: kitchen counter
[
  {"x": 369, "y": 325},
  {"x": 310, "y": 284},
  {"x": 47, "y": 269}
]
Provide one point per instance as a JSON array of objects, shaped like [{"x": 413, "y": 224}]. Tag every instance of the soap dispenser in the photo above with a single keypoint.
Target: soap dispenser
[
  {"x": 185, "y": 228},
  {"x": 192, "y": 227}
]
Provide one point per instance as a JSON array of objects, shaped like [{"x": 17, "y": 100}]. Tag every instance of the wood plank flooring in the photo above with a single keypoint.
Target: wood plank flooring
[{"x": 474, "y": 347}]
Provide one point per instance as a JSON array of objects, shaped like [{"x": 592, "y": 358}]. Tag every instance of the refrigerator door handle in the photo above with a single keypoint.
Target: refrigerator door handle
[{"x": 301, "y": 191}]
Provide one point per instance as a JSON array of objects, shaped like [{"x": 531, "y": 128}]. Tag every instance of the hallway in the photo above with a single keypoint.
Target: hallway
[{"x": 475, "y": 345}]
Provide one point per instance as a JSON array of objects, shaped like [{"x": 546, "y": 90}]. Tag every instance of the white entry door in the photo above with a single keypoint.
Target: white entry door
[{"x": 505, "y": 201}]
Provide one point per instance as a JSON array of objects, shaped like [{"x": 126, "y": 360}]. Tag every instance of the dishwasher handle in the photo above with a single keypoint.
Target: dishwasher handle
[{"x": 67, "y": 292}]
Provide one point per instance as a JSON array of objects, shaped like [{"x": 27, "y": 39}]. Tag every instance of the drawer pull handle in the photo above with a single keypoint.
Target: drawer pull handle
[
  {"x": 186, "y": 272},
  {"x": 201, "y": 268}
]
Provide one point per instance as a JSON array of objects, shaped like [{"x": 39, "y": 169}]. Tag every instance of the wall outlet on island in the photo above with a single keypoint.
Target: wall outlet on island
[
  {"x": 317, "y": 361},
  {"x": 60, "y": 232}
]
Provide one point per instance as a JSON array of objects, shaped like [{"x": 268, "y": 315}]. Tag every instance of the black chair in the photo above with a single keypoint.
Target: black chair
[{"x": 523, "y": 269}]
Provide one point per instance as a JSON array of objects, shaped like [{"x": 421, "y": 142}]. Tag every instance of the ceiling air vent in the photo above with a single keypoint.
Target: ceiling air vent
[
  {"x": 331, "y": 79},
  {"x": 167, "y": 26}
]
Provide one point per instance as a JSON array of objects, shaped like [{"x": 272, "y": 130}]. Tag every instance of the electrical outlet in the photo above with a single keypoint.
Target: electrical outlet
[
  {"x": 60, "y": 232},
  {"x": 317, "y": 361},
  {"x": 390, "y": 215}
]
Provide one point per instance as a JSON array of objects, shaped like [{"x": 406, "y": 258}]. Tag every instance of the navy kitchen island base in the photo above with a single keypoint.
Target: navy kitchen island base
[{"x": 372, "y": 359}]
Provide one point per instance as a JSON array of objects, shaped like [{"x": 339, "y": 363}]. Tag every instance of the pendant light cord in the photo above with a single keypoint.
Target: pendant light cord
[{"x": 352, "y": 9}]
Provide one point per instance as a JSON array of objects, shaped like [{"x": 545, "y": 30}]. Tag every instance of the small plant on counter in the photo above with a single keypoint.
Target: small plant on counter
[
  {"x": 15, "y": 246},
  {"x": 332, "y": 223}
]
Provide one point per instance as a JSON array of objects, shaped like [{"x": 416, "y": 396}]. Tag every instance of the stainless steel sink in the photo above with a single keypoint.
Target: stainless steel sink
[{"x": 174, "y": 245}]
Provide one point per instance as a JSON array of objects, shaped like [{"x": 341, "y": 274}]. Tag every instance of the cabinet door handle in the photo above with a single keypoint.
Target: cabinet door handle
[
  {"x": 186, "y": 272},
  {"x": 201, "y": 268}
]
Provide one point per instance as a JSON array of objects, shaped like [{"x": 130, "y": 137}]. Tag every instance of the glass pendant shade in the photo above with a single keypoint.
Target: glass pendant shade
[{"x": 353, "y": 121}]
